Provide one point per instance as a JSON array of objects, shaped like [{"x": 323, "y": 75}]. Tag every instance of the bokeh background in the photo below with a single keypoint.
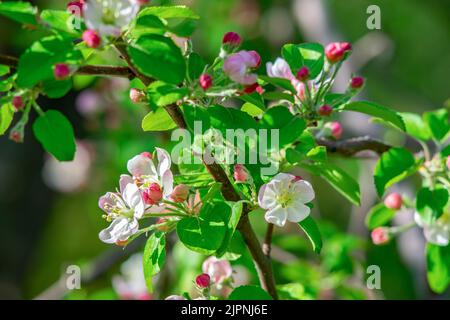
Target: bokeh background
[{"x": 48, "y": 211}]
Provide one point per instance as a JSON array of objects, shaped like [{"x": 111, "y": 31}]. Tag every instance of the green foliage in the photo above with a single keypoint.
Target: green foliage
[
  {"x": 59, "y": 21},
  {"x": 55, "y": 133},
  {"x": 378, "y": 216},
  {"x": 6, "y": 117},
  {"x": 158, "y": 57},
  {"x": 430, "y": 203},
  {"x": 438, "y": 265},
  {"x": 311, "y": 229},
  {"x": 161, "y": 94},
  {"x": 392, "y": 167},
  {"x": 20, "y": 11},
  {"x": 154, "y": 257},
  {"x": 233, "y": 220},
  {"x": 310, "y": 55},
  {"x": 196, "y": 66},
  {"x": 438, "y": 123},
  {"x": 249, "y": 293},
  {"x": 158, "y": 120}
]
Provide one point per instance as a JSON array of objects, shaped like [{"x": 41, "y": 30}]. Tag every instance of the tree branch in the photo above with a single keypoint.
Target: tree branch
[
  {"x": 267, "y": 244},
  {"x": 350, "y": 147}
]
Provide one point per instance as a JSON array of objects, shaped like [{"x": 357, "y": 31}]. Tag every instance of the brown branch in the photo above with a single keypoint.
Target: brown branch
[
  {"x": 267, "y": 244},
  {"x": 350, "y": 147}
]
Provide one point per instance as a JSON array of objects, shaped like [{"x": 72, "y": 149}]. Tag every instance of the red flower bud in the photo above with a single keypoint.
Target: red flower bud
[
  {"x": 253, "y": 88},
  {"x": 180, "y": 193},
  {"x": 143, "y": 2},
  {"x": 240, "y": 173},
  {"x": 232, "y": 39},
  {"x": 205, "y": 81},
  {"x": 257, "y": 58},
  {"x": 153, "y": 194},
  {"x": 16, "y": 136},
  {"x": 357, "y": 82},
  {"x": 393, "y": 201},
  {"x": 335, "y": 51},
  {"x": 203, "y": 281},
  {"x": 303, "y": 74},
  {"x": 137, "y": 96},
  {"x": 380, "y": 235},
  {"x": 61, "y": 71},
  {"x": 71, "y": 6},
  {"x": 92, "y": 38},
  {"x": 147, "y": 155},
  {"x": 17, "y": 102},
  {"x": 325, "y": 110}
]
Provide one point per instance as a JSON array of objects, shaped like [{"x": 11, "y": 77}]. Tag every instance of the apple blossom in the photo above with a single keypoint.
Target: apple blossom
[
  {"x": 219, "y": 270},
  {"x": 124, "y": 209},
  {"x": 380, "y": 235},
  {"x": 108, "y": 17},
  {"x": 205, "y": 81},
  {"x": 279, "y": 69},
  {"x": 436, "y": 232},
  {"x": 92, "y": 38},
  {"x": 284, "y": 199},
  {"x": 175, "y": 297},
  {"x": 393, "y": 201},
  {"x": 335, "y": 51},
  {"x": 237, "y": 67},
  {"x": 130, "y": 284}
]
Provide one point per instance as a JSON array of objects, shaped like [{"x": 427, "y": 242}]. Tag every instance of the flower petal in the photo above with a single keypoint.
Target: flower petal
[
  {"x": 164, "y": 161},
  {"x": 140, "y": 165},
  {"x": 298, "y": 212},
  {"x": 107, "y": 199},
  {"x": 119, "y": 230},
  {"x": 167, "y": 183},
  {"x": 437, "y": 233},
  {"x": 123, "y": 181},
  {"x": 277, "y": 216},
  {"x": 304, "y": 191}
]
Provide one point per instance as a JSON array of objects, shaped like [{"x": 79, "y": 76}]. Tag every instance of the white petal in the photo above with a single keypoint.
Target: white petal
[
  {"x": 140, "y": 165},
  {"x": 304, "y": 190},
  {"x": 119, "y": 230},
  {"x": 123, "y": 181},
  {"x": 277, "y": 216},
  {"x": 167, "y": 183},
  {"x": 133, "y": 199},
  {"x": 437, "y": 233},
  {"x": 298, "y": 212},
  {"x": 418, "y": 219},
  {"x": 107, "y": 199},
  {"x": 266, "y": 197},
  {"x": 164, "y": 161}
]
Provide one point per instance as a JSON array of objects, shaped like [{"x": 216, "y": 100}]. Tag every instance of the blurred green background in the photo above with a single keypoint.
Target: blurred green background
[{"x": 48, "y": 212}]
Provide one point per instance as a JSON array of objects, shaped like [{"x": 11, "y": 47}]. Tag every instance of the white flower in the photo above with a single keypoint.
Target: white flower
[
  {"x": 218, "y": 270},
  {"x": 108, "y": 17},
  {"x": 130, "y": 284},
  {"x": 436, "y": 232},
  {"x": 279, "y": 69},
  {"x": 284, "y": 198},
  {"x": 124, "y": 209}
]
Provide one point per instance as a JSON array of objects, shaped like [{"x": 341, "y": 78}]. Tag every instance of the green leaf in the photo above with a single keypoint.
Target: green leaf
[
  {"x": 36, "y": 64},
  {"x": 415, "y": 126},
  {"x": 438, "y": 267},
  {"x": 3, "y": 70},
  {"x": 311, "y": 229},
  {"x": 305, "y": 145},
  {"x": 249, "y": 293},
  {"x": 6, "y": 117},
  {"x": 158, "y": 57},
  {"x": 379, "y": 216},
  {"x": 251, "y": 109},
  {"x": 438, "y": 123},
  {"x": 335, "y": 100},
  {"x": 375, "y": 110},
  {"x": 22, "y": 12},
  {"x": 57, "y": 88},
  {"x": 310, "y": 55},
  {"x": 430, "y": 203},
  {"x": 147, "y": 24},
  {"x": 278, "y": 96},
  {"x": 254, "y": 98},
  {"x": 154, "y": 257},
  {"x": 279, "y": 82},
  {"x": 318, "y": 154},
  {"x": 60, "y": 21},
  {"x": 158, "y": 120},
  {"x": 196, "y": 66},
  {"x": 337, "y": 178},
  {"x": 233, "y": 220},
  {"x": 290, "y": 126},
  {"x": 212, "y": 192},
  {"x": 161, "y": 94},
  {"x": 393, "y": 166},
  {"x": 55, "y": 133},
  {"x": 205, "y": 233},
  {"x": 223, "y": 118}
]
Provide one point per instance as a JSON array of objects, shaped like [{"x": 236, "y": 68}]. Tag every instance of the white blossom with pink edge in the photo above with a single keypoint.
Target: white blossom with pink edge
[
  {"x": 284, "y": 199},
  {"x": 109, "y": 17},
  {"x": 124, "y": 209},
  {"x": 238, "y": 66},
  {"x": 130, "y": 284},
  {"x": 279, "y": 69},
  {"x": 219, "y": 270},
  {"x": 436, "y": 232}
]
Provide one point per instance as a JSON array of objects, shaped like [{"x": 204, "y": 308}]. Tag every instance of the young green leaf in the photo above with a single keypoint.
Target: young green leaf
[
  {"x": 60, "y": 21},
  {"x": 438, "y": 123},
  {"x": 158, "y": 120},
  {"x": 154, "y": 257},
  {"x": 393, "y": 166},
  {"x": 378, "y": 216},
  {"x": 415, "y": 126},
  {"x": 249, "y": 293},
  {"x": 55, "y": 89},
  {"x": 438, "y": 265},
  {"x": 6, "y": 117},
  {"x": 311, "y": 229},
  {"x": 430, "y": 203},
  {"x": 310, "y": 55},
  {"x": 196, "y": 66},
  {"x": 55, "y": 133},
  {"x": 252, "y": 110},
  {"x": 375, "y": 110},
  {"x": 158, "y": 57},
  {"x": 22, "y": 12},
  {"x": 233, "y": 220},
  {"x": 161, "y": 94}
]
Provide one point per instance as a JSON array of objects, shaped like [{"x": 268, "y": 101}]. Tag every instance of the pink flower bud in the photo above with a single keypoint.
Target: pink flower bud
[
  {"x": 336, "y": 129},
  {"x": 256, "y": 57},
  {"x": 203, "y": 281},
  {"x": 17, "y": 102},
  {"x": 357, "y": 82},
  {"x": 61, "y": 71},
  {"x": 205, "y": 81},
  {"x": 335, "y": 51},
  {"x": 253, "y": 88},
  {"x": 380, "y": 235},
  {"x": 325, "y": 110},
  {"x": 448, "y": 162},
  {"x": 180, "y": 193},
  {"x": 147, "y": 155},
  {"x": 218, "y": 270},
  {"x": 92, "y": 38},
  {"x": 393, "y": 201},
  {"x": 153, "y": 194},
  {"x": 16, "y": 136},
  {"x": 303, "y": 74},
  {"x": 240, "y": 173},
  {"x": 137, "y": 96},
  {"x": 78, "y": 4},
  {"x": 232, "y": 40}
]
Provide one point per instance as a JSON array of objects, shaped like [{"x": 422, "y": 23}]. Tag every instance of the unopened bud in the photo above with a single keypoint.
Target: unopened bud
[
  {"x": 325, "y": 110},
  {"x": 380, "y": 235},
  {"x": 357, "y": 82},
  {"x": 335, "y": 51},
  {"x": 335, "y": 128},
  {"x": 393, "y": 201},
  {"x": 180, "y": 193},
  {"x": 153, "y": 194},
  {"x": 241, "y": 173},
  {"x": 17, "y": 103},
  {"x": 205, "y": 81},
  {"x": 92, "y": 39},
  {"x": 203, "y": 281},
  {"x": 61, "y": 71},
  {"x": 303, "y": 74},
  {"x": 137, "y": 96},
  {"x": 232, "y": 40}
]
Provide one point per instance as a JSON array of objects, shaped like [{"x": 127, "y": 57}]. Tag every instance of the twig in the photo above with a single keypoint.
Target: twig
[
  {"x": 350, "y": 147},
  {"x": 267, "y": 244}
]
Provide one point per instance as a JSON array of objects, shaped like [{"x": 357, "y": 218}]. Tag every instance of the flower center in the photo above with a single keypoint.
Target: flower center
[
  {"x": 284, "y": 199},
  {"x": 108, "y": 16}
]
